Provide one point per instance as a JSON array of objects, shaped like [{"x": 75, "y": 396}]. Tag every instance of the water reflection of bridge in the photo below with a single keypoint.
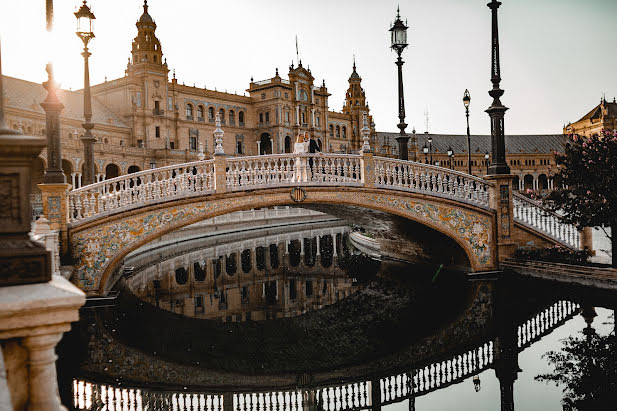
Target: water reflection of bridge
[{"x": 353, "y": 395}]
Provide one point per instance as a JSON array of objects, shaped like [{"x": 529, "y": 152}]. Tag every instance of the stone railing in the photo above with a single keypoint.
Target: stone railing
[
  {"x": 42, "y": 233},
  {"x": 532, "y": 214},
  {"x": 142, "y": 188},
  {"x": 300, "y": 169},
  {"x": 432, "y": 180}
]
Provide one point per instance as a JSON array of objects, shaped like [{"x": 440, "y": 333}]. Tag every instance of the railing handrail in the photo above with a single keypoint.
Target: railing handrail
[
  {"x": 436, "y": 168},
  {"x": 143, "y": 173}
]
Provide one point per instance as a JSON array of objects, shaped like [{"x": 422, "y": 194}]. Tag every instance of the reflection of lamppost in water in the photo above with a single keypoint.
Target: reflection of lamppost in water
[{"x": 476, "y": 383}]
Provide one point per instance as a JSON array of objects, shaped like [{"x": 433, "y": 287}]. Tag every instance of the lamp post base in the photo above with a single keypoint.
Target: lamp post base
[{"x": 403, "y": 150}]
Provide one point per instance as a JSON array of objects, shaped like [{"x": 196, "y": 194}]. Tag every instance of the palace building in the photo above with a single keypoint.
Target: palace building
[{"x": 145, "y": 120}]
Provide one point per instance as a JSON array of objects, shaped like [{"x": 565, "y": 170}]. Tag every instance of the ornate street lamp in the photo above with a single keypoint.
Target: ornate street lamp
[
  {"x": 486, "y": 157},
  {"x": 466, "y": 101},
  {"x": 451, "y": 156},
  {"x": 497, "y": 110},
  {"x": 399, "y": 42},
  {"x": 425, "y": 151},
  {"x": 430, "y": 148},
  {"x": 84, "y": 32}
]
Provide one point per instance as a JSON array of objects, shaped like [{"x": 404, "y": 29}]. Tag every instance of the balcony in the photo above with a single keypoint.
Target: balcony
[
  {"x": 158, "y": 112},
  {"x": 201, "y": 119},
  {"x": 211, "y": 120},
  {"x": 264, "y": 124},
  {"x": 241, "y": 124},
  {"x": 189, "y": 118},
  {"x": 232, "y": 123}
]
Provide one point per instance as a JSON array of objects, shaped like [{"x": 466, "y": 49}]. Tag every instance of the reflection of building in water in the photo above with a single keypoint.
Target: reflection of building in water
[{"x": 269, "y": 277}]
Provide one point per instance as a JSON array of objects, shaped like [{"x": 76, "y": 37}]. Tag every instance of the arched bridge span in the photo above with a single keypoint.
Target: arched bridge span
[{"x": 105, "y": 221}]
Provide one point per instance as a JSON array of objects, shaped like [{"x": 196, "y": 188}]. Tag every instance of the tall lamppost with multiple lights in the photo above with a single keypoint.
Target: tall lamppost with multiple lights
[
  {"x": 430, "y": 148},
  {"x": 84, "y": 32},
  {"x": 425, "y": 151},
  {"x": 451, "y": 157},
  {"x": 497, "y": 110},
  {"x": 466, "y": 101},
  {"x": 399, "y": 42},
  {"x": 486, "y": 157}
]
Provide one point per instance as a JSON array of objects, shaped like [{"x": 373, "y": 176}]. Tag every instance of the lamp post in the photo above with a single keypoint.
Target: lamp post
[
  {"x": 430, "y": 148},
  {"x": 84, "y": 32},
  {"x": 451, "y": 156},
  {"x": 425, "y": 151},
  {"x": 466, "y": 101},
  {"x": 497, "y": 110},
  {"x": 399, "y": 42},
  {"x": 486, "y": 157}
]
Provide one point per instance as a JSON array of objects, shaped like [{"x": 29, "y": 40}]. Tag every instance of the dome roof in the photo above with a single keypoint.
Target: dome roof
[{"x": 145, "y": 17}]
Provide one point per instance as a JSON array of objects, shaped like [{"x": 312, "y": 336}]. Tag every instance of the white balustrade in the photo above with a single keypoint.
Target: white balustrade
[
  {"x": 138, "y": 189},
  {"x": 431, "y": 180},
  {"x": 532, "y": 214}
]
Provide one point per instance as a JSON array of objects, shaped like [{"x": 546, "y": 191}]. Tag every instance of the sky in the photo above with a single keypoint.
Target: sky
[{"x": 557, "y": 56}]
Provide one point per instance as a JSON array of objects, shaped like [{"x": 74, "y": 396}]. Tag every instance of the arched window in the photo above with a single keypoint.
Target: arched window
[
  {"x": 200, "y": 113},
  {"x": 222, "y": 114},
  {"x": 338, "y": 132},
  {"x": 232, "y": 117},
  {"x": 210, "y": 114},
  {"x": 302, "y": 118},
  {"x": 239, "y": 147},
  {"x": 303, "y": 95},
  {"x": 288, "y": 144},
  {"x": 331, "y": 130},
  {"x": 344, "y": 132},
  {"x": 317, "y": 121},
  {"x": 241, "y": 117},
  {"x": 189, "y": 111}
]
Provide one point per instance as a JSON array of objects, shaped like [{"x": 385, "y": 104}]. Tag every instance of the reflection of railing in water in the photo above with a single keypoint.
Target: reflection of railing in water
[
  {"x": 349, "y": 396},
  {"x": 545, "y": 322}
]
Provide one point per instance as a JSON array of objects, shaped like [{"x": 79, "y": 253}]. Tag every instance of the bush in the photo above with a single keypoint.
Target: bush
[{"x": 556, "y": 254}]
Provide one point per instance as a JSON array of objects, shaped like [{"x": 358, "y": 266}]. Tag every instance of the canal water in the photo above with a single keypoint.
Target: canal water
[{"x": 275, "y": 317}]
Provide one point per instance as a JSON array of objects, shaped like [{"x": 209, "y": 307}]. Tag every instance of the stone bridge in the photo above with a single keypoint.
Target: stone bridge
[{"x": 103, "y": 222}]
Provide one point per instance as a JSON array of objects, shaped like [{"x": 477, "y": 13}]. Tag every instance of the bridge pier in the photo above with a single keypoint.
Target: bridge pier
[{"x": 500, "y": 200}]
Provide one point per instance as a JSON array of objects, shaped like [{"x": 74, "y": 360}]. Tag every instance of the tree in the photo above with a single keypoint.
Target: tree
[
  {"x": 585, "y": 367},
  {"x": 588, "y": 176}
]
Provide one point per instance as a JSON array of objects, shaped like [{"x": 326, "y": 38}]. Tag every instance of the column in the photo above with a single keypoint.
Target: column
[
  {"x": 301, "y": 246},
  {"x": 43, "y": 381},
  {"x": 297, "y": 115},
  {"x": 376, "y": 395},
  {"x": 79, "y": 179},
  {"x": 258, "y": 147},
  {"x": 73, "y": 181},
  {"x": 334, "y": 241}
]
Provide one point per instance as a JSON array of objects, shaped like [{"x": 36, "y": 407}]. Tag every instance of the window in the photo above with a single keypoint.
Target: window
[
  {"x": 172, "y": 145},
  {"x": 200, "y": 113},
  {"x": 138, "y": 99},
  {"x": 157, "y": 132},
  {"x": 267, "y": 116},
  {"x": 157, "y": 105},
  {"x": 241, "y": 118},
  {"x": 239, "y": 147},
  {"x": 302, "y": 117},
  {"x": 331, "y": 130},
  {"x": 263, "y": 96},
  {"x": 338, "y": 132},
  {"x": 210, "y": 114},
  {"x": 344, "y": 132},
  {"x": 170, "y": 103},
  {"x": 222, "y": 114},
  {"x": 286, "y": 95},
  {"x": 261, "y": 117},
  {"x": 287, "y": 116},
  {"x": 232, "y": 117},
  {"x": 317, "y": 121},
  {"x": 193, "y": 143},
  {"x": 154, "y": 58},
  {"x": 189, "y": 112},
  {"x": 140, "y": 143},
  {"x": 303, "y": 95}
]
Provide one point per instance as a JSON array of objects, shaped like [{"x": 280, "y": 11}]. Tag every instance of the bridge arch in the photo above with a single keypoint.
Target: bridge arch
[{"x": 103, "y": 244}]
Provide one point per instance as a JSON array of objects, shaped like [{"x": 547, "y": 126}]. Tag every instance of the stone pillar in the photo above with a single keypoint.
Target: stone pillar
[
  {"x": 368, "y": 169},
  {"x": 56, "y": 210},
  {"x": 500, "y": 200},
  {"x": 586, "y": 239},
  {"x": 79, "y": 175},
  {"x": 220, "y": 173},
  {"x": 43, "y": 382},
  {"x": 301, "y": 247},
  {"x": 73, "y": 180},
  {"x": 259, "y": 148}
]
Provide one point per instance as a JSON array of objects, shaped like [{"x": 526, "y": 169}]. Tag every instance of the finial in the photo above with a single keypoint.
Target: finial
[
  {"x": 354, "y": 62},
  {"x": 218, "y": 135},
  {"x": 174, "y": 74},
  {"x": 398, "y": 11},
  {"x": 277, "y": 72},
  {"x": 201, "y": 154},
  {"x": 365, "y": 133},
  {"x": 323, "y": 83},
  {"x": 251, "y": 79}
]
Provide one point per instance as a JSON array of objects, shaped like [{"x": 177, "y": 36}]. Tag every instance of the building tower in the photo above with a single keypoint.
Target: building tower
[
  {"x": 356, "y": 105},
  {"x": 147, "y": 78}
]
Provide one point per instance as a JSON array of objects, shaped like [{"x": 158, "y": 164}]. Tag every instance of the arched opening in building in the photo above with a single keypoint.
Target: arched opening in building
[
  {"x": 231, "y": 265},
  {"x": 528, "y": 182},
  {"x": 288, "y": 144},
  {"x": 67, "y": 168},
  {"x": 246, "y": 261},
  {"x": 260, "y": 258},
  {"x": 265, "y": 146},
  {"x": 182, "y": 276},
  {"x": 294, "y": 252},
  {"x": 516, "y": 183},
  {"x": 111, "y": 171},
  {"x": 542, "y": 182},
  {"x": 200, "y": 272},
  {"x": 274, "y": 256},
  {"x": 38, "y": 169}
]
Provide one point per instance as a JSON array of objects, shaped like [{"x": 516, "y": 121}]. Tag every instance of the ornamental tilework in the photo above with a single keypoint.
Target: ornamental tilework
[{"x": 97, "y": 246}]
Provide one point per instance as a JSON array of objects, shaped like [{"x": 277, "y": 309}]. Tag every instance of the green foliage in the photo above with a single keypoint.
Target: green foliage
[
  {"x": 585, "y": 367},
  {"x": 588, "y": 177},
  {"x": 556, "y": 254}
]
